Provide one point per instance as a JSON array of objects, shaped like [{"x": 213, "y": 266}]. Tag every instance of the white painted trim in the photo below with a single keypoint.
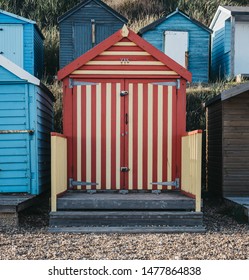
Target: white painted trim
[
  {"x": 217, "y": 14},
  {"x": 18, "y": 71}
]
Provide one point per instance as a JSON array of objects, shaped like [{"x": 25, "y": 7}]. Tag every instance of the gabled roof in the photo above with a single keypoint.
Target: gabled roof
[
  {"x": 229, "y": 93},
  {"x": 22, "y": 74},
  {"x": 229, "y": 11},
  {"x": 84, "y": 3},
  {"x": 25, "y": 20},
  {"x": 113, "y": 39},
  {"x": 177, "y": 11}
]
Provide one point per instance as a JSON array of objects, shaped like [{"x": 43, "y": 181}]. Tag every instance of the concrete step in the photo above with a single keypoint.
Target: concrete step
[
  {"x": 131, "y": 201},
  {"x": 125, "y": 219}
]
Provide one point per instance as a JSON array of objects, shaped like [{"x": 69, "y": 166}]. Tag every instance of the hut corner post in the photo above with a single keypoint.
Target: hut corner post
[
  {"x": 191, "y": 166},
  {"x": 58, "y": 167}
]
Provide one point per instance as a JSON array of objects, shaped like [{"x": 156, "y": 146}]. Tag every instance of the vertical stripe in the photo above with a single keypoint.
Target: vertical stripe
[
  {"x": 140, "y": 136},
  {"x": 78, "y": 135},
  {"x": 108, "y": 135},
  {"x": 88, "y": 135},
  {"x": 150, "y": 133},
  {"x": 130, "y": 181},
  {"x": 118, "y": 132},
  {"x": 145, "y": 136},
  {"x": 154, "y": 140},
  {"x": 98, "y": 135},
  {"x": 169, "y": 148},
  {"x": 165, "y": 133},
  {"x": 103, "y": 135},
  {"x": 160, "y": 136},
  {"x": 114, "y": 95},
  {"x": 93, "y": 129},
  {"x": 135, "y": 136}
]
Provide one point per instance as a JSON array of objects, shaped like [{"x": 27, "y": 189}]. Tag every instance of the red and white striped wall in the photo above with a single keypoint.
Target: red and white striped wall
[
  {"x": 108, "y": 131},
  {"x": 134, "y": 131}
]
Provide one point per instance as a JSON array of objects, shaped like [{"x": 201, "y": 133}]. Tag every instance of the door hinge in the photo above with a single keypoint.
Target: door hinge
[
  {"x": 73, "y": 183},
  {"x": 123, "y": 93},
  {"x": 73, "y": 83},
  {"x": 175, "y": 183}
]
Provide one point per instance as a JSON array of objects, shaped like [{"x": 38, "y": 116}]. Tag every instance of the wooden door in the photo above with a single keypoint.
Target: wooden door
[
  {"x": 124, "y": 134},
  {"x": 150, "y": 143},
  {"x": 176, "y": 46}
]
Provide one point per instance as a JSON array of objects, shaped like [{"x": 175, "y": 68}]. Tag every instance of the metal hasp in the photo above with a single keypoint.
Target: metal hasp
[
  {"x": 73, "y": 83},
  {"x": 73, "y": 183},
  {"x": 124, "y": 169},
  {"x": 175, "y": 183},
  {"x": 124, "y": 93}
]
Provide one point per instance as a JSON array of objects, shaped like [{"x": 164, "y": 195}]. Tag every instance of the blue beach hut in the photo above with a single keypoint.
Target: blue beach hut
[
  {"x": 84, "y": 26},
  {"x": 26, "y": 115},
  {"x": 21, "y": 41},
  {"x": 184, "y": 39}
]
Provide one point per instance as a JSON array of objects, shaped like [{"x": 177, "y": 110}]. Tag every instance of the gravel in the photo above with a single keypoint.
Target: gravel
[{"x": 226, "y": 238}]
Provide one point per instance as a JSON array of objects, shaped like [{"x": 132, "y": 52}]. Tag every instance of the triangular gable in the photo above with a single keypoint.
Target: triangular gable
[
  {"x": 114, "y": 39},
  {"x": 177, "y": 11},
  {"x": 84, "y": 3},
  {"x": 18, "y": 71}
]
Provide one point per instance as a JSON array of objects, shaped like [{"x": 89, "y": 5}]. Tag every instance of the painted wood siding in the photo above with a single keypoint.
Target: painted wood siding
[
  {"x": 198, "y": 44},
  {"x": 236, "y": 145},
  {"x": 214, "y": 147},
  {"x": 32, "y": 44},
  {"x": 14, "y": 148},
  {"x": 221, "y": 51},
  {"x": 44, "y": 126},
  {"x": 38, "y": 54},
  {"x": 75, "y": 31}
]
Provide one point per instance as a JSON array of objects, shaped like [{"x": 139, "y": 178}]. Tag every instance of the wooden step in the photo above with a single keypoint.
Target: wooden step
[
  {"x": 133, "y": 229},
  {"x": 125, "y": 219},
  {"x": 131, "y": 201}
]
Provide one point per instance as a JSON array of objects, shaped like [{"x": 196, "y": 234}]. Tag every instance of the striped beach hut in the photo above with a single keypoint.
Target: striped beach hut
[
  {"x": 124, "y": 132},
  {"x": 124, "y": 114}
]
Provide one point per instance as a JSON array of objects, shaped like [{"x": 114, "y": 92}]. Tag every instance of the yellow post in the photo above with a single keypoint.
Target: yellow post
[
  {"x": 191, "y": 166},
  {"x": 58, "y": 167}
]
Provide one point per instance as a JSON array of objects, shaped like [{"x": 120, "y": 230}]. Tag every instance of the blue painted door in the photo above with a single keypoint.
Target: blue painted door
[
  {"x": 14, "y": 140},
  {"x": 11, "y": 42}
]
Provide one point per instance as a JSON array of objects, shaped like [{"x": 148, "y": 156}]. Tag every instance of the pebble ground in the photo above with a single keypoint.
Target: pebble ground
[{"x": 227, "y": 237}]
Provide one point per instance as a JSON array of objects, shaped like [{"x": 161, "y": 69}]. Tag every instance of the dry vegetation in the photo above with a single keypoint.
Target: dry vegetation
[{"x": 140, "y": 13}]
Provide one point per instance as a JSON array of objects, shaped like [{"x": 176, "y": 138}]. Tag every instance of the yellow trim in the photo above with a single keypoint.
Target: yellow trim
[
  {"x": 107, "y": 72},
  {"x": 160, "y": 136},
  {"x": 79, "y": 136},
  {"x": 150, "y": 134},
  {"x": 118, "y": 89},
  {"x": 130, "y": 135},
  {"x": 108, "y": 135},
  {"x": 119, "y": 62},
  {"x": 98, "y": 136},
  {"x": 169, "y": 147},
  {"x": 88, "y": 135},
  {"x": 140, "y": 137},
  {"x": 58, "y": 168},
  {"x": 124, "y": 53}
]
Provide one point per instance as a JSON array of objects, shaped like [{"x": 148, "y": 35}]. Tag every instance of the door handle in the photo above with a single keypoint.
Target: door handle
[{"x": 126, "y": 118}]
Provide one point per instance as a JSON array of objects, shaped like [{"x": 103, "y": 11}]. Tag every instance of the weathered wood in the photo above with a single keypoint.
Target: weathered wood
[
  {"x": 134, "y": 229},
  {"x": 133, "y": 201},
  {"x": 125, "y": 218}
]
